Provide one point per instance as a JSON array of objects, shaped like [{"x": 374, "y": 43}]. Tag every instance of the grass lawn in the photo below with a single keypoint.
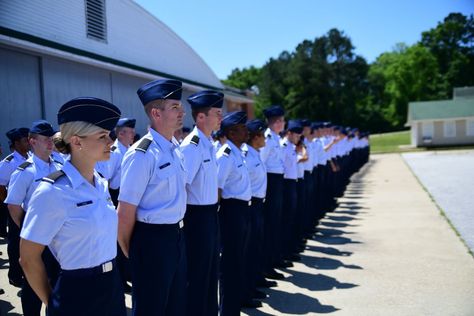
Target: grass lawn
[{"x": 390, "y": 142}]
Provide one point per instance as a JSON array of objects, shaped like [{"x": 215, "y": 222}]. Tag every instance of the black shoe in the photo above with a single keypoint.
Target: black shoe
[
  {"x": 15, "y": 283},
  {"x": 252, "y": 304},
  {"x": 127, "y": 288},
  {"x": 267, "y": 284},
  {"x": 294, "y": 258},
  {"x": 259, "y": 294},
  {"x": 284, "y": 264},
  {"x": 274, "y": 275},
  {"x": 2, "y": 291}
]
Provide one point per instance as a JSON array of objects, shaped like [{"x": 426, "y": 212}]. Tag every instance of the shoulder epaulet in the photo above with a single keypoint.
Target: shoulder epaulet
[
  {"x": 227, "y": 151},
  {"x": 113, "y": 148},
  {"x": 9, "y": 158},
  {"x": 143, "y": 145},
  {"x": 195, "y": 140},
  {"x": 24, "y": 165},
  {"x": 51, "y": 178},
  {"x": 57, "y": 161}
]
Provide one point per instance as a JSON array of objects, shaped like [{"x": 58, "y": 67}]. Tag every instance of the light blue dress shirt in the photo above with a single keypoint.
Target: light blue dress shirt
[
  {"x": 272, "y": 153},
  {"x": 201, "y": 168},
  {"x": 232, "y": 173},
  {"x": 24, "y": 182},
  {"x": 74, "y": 218},
  {"x": 257, "y": 171},
  {"x": 8, "y": 165},
  {"x": 290, "y": 160},
  {"x": 154, "y": 180}
]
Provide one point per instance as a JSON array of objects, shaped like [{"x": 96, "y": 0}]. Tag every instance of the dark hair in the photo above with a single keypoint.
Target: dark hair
[{"x": 195, "y": 112}]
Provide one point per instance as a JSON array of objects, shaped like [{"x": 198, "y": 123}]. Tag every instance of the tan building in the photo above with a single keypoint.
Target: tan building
[{"x": 445, "y": 122}]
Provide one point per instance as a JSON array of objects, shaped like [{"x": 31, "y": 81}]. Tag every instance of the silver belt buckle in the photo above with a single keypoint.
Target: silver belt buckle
[
  {"x": 181, "y": 224},
  {"x": 263, "y": 200},
  {"x": 106, "y": 267},
  {"x": 250, "y": 203}
]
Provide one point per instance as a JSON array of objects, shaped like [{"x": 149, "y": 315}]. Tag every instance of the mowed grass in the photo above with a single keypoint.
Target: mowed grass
[{"x": 390, "y": 142}]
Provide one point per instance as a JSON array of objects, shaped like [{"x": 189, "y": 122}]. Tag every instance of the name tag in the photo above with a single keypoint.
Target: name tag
[
  {"x": 83, "y": 203},
  {"x": 239, "y": 166},
  {"x": 207, "y": 160},
  {"x": 165, "y": 165}
]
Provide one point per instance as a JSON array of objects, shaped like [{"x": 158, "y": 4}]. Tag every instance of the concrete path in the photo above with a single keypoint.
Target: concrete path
[
  {"x": 449, "y": 178},
  {"x": 386, "y": 250}
]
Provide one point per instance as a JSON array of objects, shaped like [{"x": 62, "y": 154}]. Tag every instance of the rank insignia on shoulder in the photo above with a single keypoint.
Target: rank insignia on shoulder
[
  {"x": 9, "y": 158},
  {"x": 227, "y": 151},
  {"x": 51, "y": 178},
  {"x": 143, "y": 145},
  {"x": 24, "y": 165},
  {"x": 195, "y": 140}
]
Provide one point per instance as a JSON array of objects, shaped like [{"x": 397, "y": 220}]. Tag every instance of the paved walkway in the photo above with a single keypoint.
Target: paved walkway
[
  {"x": 386, "y": 250},
  {"x": 449, "y": 178}
]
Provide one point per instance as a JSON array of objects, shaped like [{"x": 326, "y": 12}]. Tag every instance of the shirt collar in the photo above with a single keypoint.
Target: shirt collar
[
  {"x": 18, "y": 156},
  {"x": 162, "y": 142},
  {"x": 73, "y": 174},
  {"x": 233, "y": 147},
  {"x": 207, "y": 140},
  {"x": 122, "y": 148},
  {"x": 40, "y": 163}
]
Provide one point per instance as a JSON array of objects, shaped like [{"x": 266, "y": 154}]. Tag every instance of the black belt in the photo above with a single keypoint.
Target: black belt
[
  {"x": 177, "y": 225},
  {"x": 236, "y": 202},
  {"x": 257, "y": 200},
  {"x": 102, "y": 268}
]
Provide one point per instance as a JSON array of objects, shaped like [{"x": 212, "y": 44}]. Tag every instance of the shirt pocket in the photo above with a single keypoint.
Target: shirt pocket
[{"x": 164, "y": 179}]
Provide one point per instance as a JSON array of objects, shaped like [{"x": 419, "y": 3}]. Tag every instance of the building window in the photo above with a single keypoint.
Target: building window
[
  {"x": 449, "y": 128},
  {"x": 96, "y": 20},
  {"x": 470, "y": 127},
  {"x": 427, "y": 129}
]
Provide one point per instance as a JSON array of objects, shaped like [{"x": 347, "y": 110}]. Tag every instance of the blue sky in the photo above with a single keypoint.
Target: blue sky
[{"x": 231, "y": 34}]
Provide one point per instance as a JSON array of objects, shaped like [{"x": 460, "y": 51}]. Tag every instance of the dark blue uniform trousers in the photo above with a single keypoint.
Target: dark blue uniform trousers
[
  {"x": 201, "y": 227},
  {"x": 88, "y": 292},
  {"x": 30, "y": 302},
  {"x": 15, "y": 273},
  {"x": 289, "y": 216},
  {"x": 254, "y": 255},
  {"x": 272, "y": 217},
  {"x": 234, "y": 221},
  {"x": 158, "y": 264}
]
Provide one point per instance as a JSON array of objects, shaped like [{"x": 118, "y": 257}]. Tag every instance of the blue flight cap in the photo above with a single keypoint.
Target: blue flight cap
[
  {"x": 273, "y": 111},
  {"x": 17, "y": 133},
  {"x": 316, "y": 125},
  {"x": 327, "y": 124},
  {"x": 305, "y": 123},
  {"x": 233, "y": 118},
  {"x": 162, "y": 89},
  {"x": 126, "y": 122},
  {"x": 91, "y": 110},
  {"x": 206, "y": 99},
  {"x": 295, "y": 126},
  {"x": 42, "y": 127},
  {"x": 256, "y": 125}
]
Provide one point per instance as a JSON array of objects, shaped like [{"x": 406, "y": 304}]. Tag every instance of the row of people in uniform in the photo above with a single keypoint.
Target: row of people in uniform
[{"x": 187, "y": 215}]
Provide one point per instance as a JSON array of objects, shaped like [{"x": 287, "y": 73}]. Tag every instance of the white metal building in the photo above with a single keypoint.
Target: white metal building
[{"x": 55, "y": 50}]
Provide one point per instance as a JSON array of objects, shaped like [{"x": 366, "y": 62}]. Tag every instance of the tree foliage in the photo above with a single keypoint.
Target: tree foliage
[{"x": 324, "y": 79}]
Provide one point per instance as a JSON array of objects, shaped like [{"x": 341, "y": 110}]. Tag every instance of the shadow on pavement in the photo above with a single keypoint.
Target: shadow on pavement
[
  {"x": 331, "y": 231},
  {"x": 296, "y": 303},
  {"x": 5, "y": 307},
  {"x": 318, "y": 282},
  {"x": 329, "y": 251},
  {"x": 325, "y": 263},
  {"x": 334, "y": 224},
  {"x": 342, "y": 218},
  {"x": 334, "y": 240}
]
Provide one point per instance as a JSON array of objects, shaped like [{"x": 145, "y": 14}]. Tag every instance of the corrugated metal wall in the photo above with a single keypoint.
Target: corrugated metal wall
[{"x": 25, "y": 77}]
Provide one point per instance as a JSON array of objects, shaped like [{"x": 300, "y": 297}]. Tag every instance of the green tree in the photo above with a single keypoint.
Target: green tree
[
  {"x": 452, "y": 43},
  {"x": 243, "y": 78}
]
